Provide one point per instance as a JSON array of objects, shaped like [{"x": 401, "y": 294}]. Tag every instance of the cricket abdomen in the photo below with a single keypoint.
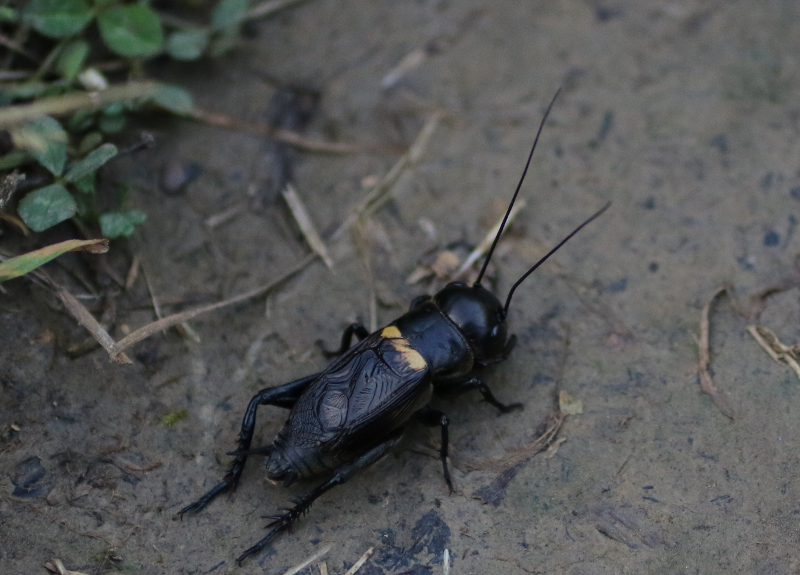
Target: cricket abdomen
[{"x": 371, "y": 391}]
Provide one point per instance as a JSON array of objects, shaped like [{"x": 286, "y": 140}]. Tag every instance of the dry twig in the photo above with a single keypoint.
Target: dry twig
[
  {"x": 269, "y": 7},
  {"x": 779, "y": 352},
  {"x": 286, "y": 136},
  {"x": 225, "y": 215},
  {"x": 56, "y": 566},
  {"x": 133, "y": 273},
  {"x": 360, "y": 562},
  {"x": 86, "y": 319},
  {"x": 523, "y": 452},
  {"x": 487, "y": 241},
  {"x": 706, "y": 383},
  {"x": 378, "y": 195},
  {"x": 435, "y": 46},
  {"x": 306, "y": 225},
  {"x": 363, "y": 248},
  {"x": 309, "y": 561},
  {"x": 156, "y": 326}
]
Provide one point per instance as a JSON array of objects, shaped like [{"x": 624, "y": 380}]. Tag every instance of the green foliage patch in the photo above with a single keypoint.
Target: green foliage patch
[{"x": 73, "y": 148}]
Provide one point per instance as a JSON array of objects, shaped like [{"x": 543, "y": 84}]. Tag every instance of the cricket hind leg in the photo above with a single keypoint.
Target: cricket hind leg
[
  {"x": 432, "y": 417},
  {"x": 356, "y": 329},
  {"x": 281, "y": 396},
  {"x": 285, "y": 520}
]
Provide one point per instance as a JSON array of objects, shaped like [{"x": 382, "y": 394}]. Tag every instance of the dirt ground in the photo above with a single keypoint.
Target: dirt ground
[{"x": 685, "y": 114}]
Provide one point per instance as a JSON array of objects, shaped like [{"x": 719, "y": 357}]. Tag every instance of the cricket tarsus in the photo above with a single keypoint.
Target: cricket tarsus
[{"x": 284, "y": 521}]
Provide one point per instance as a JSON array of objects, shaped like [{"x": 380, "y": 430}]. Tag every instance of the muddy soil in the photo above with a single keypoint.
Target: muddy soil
[{"x": 685, "y": 114}]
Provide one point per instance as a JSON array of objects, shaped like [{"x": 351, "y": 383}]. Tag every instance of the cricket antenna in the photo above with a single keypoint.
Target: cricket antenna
[
  {"x": 550, "y": 253},
  {"x": 519, "y": 185}
]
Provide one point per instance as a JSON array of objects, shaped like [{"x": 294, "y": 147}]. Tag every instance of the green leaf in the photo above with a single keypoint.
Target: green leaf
[
  {"x": 46, "y": 140},
  {"x": 20, "y": 265},
  {"x": 8, "y": 14},
  {"x": 112, "y": 123},
  {"x": 54, "y": 90},
  {"x": 114, "y": 109},
  {"x": 27, "y": 90},
  {"x": 223, "y": 43},
  {"x": 175, "y": 99},
  {"x": 116, "y": 224},
  {"x": 187, "y": 45},
  {"x": 81, "y": 120},
  {"x": 45, "y": 207},
  {"x": 90, "y": 163},
  {"x": 89, "y": 142},
  {"x": 71, "y": 59},
  {"x": 85, "y": 185},
  {"x": 228, "y": 12},
  {"x": 131, "y": 31},
  {"x": 13, "y": 159},
  {"x": 58, "y": 18}
]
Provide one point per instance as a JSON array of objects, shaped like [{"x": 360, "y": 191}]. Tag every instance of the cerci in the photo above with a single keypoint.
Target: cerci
[{"x": 350, "y": 415}]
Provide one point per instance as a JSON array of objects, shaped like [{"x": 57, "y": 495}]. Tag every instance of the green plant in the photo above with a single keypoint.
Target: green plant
[
  {"x": 131, "y": 30},
  {"x": 73, "y": 149}
]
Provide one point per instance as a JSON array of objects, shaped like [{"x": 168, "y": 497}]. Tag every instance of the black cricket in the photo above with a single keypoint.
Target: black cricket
[{"x": 350, "y": 415}]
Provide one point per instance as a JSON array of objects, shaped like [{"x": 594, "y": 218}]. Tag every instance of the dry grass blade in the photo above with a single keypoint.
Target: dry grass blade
[
  {"x": 360, "y": 562},
  {"x": 86, "y": 319},
  {"x": 17, "y": 222},
  {"x": 309, "y": 561},
  {"x": 14, "y": 267},
  {"x": 553, "y": 449},
  {"x": 380, "y": 191},
  {"x": 779, "y": 352},
  {"x": 362, "y": 244},
  {"x": 523, "y": 452},
  {"x": 409, "y": 62},
  {"x": 156, "y": 326},
  {"x": 706, "y": 383},
  {"x": 133, "y": 273},
  {"x": 11, "y": 116},
  {"x": 306, "y": 225},
  {"x": 56, "y": 566},
  {"x": 432, "y": 47},
  {"x": 153, "y": 299},
  {"x": 486, "y": 243},
  {"x": 226, "y": 215},
  {"x": 269, "y": 7},
  {"x": 287, "y": 137}
]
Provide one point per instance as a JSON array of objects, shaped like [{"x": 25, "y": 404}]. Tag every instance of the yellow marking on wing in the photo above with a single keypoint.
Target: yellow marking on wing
[
  {"x": 391, "y": 332},
  {"x": 409, "y": 355}
]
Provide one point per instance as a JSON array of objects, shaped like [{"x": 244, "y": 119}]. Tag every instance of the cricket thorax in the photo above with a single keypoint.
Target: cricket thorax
[
  {"x": 435, "y": 338},
  {"x": 407, "y": 356}
]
